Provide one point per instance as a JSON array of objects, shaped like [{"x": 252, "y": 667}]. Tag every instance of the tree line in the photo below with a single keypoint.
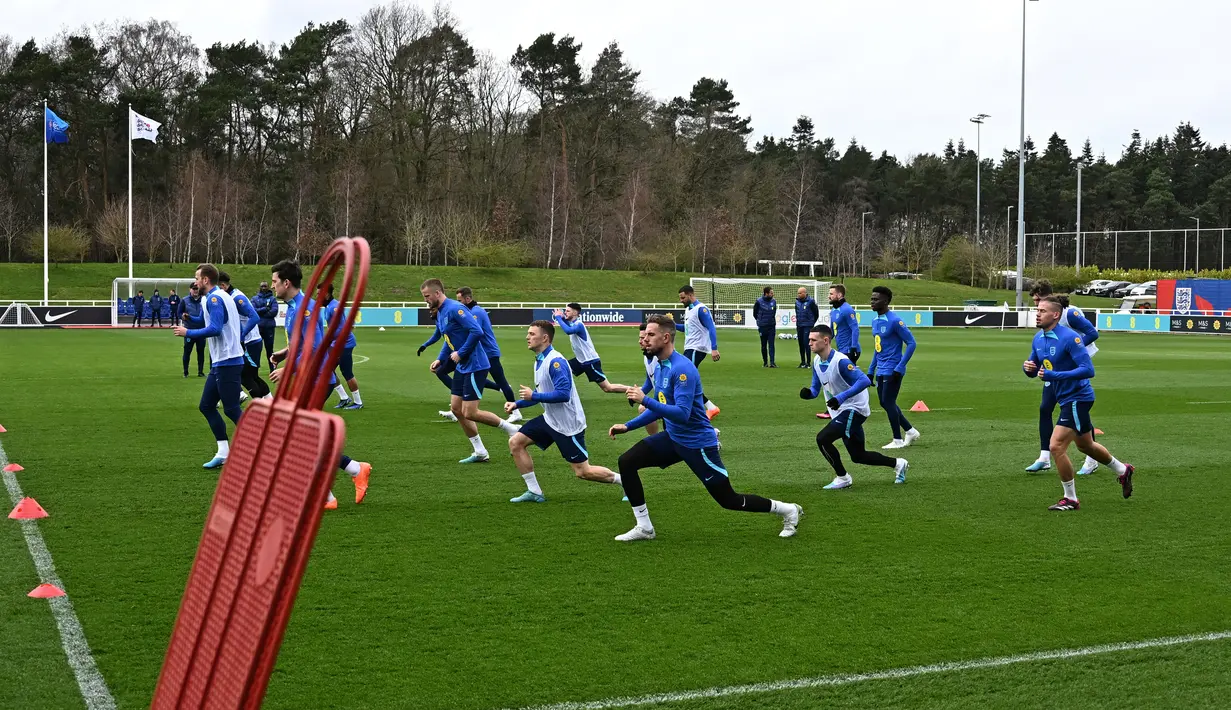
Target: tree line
[{"x": 397, "y": 128}]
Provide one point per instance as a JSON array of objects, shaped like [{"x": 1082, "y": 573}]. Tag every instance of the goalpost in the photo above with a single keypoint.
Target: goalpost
[
  {"x": 730, "y": 299},
  {"x": 123, "y": 290},
  {"x": 19, "y": 315}
]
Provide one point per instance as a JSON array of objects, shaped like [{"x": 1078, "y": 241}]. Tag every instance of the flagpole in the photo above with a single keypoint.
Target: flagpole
[
  {"x": 45, "y": 202},
  {"x": 130, "y": 194}
]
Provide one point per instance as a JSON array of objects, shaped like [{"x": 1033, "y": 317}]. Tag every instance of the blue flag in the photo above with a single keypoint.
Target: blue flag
[{"x": 57, "y": 128}]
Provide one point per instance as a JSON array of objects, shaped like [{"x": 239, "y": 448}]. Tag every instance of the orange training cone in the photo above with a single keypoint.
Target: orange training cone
[
  {"x": 920, "y": 407},
  {"x": 1098, "y": 432},
  {"x": 46, "y": 591},
  {"x": 13, "y": 468},
  {"x": 2, "y": 429},
  {"x": 822, "y": 415},
  {"x": 28, "y": 509}
]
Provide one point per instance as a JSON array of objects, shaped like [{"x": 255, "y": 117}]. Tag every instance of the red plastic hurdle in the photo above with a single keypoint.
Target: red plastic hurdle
[{"x": 265, "y": 514}]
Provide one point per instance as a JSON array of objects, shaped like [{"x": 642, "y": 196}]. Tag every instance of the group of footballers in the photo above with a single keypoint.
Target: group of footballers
[
  {"x": 227, "y": 323},
  {"x": 469, "y": 363}
]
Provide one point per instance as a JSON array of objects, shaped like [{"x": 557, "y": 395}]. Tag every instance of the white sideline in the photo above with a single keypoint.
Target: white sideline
[
  {"x": 93, "y": 688},
  {"x": 896, "y": 673}
]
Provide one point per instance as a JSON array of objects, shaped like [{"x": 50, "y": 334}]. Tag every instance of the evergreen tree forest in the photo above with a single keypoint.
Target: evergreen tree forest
[{"x": 395, "y": 127}]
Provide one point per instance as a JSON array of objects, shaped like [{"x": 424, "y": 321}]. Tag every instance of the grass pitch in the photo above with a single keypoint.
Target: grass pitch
[{"x": 438, "y": 593}]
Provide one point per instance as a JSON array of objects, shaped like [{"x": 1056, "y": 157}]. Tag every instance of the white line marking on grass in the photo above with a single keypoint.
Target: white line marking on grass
[
  {"x": 892, "y": 674},
  {"x": 360, "y": 359},
  {"x": 93, "y": 688},
  {"x": 1225, "y": 401}
]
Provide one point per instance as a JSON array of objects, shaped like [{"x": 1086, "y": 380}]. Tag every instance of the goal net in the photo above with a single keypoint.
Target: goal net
[
  {"x": 19, "y": 315},
  {"x": 731, "y": 299},
  {"x": 124, "y": 292}
]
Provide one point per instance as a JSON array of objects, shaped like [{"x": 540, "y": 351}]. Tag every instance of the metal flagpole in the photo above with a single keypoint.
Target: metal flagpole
[
  {"x": 45, "y": 280},
  {"x": 1021, "y": 173},
  {"x": 130, "y": 196}
]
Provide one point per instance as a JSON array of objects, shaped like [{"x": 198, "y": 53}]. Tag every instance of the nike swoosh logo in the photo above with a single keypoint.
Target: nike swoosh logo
[
  {"x": 970, "y": 320},
  {"x": 52, "y": 319}
]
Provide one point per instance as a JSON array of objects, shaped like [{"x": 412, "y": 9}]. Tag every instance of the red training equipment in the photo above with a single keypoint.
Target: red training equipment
[{"x": 265, "y": 515}]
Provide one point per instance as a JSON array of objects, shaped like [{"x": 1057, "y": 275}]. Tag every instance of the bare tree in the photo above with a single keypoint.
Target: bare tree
[
  {"x": 12, "y": 222},
  {"x": 797, "y": 194}
]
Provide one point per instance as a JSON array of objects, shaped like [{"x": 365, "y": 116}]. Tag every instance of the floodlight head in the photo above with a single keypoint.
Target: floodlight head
[{"x": 979, "y": 118}]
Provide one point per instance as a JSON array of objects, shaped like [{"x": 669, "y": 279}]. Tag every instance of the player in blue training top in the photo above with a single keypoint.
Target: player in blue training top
[
  {"x": 845, "y": 389},
  {"x": 497, "y": 379},
  {"x": 1059, "y": 357},
  {"x": 700, "y": 338},
  {"x": 689, "y": 437},
  {"x": 888, "y": 366},
  {"x": 444, "y": 372},
  {"x": 220, "y": 325},
  {"x": 286, "y": 280},
  {"x": 1074, "y": 319},
  {"x": 585, "y": 358},
  {"x": 845, "y": 325},
  {"x": 563, "y": 421},
  {"x": 251, "y": 337},
  {"x": 464, "y": 346},
  {"x": 346, "y": 363}
]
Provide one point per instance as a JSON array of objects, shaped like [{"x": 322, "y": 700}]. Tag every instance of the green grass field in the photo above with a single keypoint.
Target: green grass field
[
  {"x": 401, "y": 283},
  {"x": 437, "y": 593}
]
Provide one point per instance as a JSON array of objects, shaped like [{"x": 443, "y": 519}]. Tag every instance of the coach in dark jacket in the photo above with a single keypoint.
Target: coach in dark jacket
[
  {"x": 190, "y": 312},
  {"x": 806, "y": 315},
  {"x": 765, "y": 313},
  {"x": 156, "y": 309},
  {"x": 266, "y": 305},
  {"x": 173, "y": 307},
  {"x": 138, "y": 308}
]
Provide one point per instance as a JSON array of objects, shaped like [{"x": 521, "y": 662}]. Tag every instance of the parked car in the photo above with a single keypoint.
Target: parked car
[
  {"x": 1124, "y": 290},
  {"x": 1090, "y": 287},
  {"x": 1110, "y": 288},
  {"x": 1147, "y": 288}
]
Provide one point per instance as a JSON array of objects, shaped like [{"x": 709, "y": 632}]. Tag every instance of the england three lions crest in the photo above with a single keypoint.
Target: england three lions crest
[{"x": 1183, "y": 300}]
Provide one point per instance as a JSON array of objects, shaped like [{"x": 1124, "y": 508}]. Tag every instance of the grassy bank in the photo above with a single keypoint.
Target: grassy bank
[{"x": 401, "y": 283}]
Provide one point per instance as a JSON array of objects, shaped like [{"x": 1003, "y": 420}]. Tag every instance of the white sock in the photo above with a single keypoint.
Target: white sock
[
  {"x": 913, "y": 431},
  {"x": 899, "y": 441},
  {"x": 709, "y": 404},
  {"x": 1045, "y": 455},
  {"x": 477, "y": 443},
  {"x": 643, "y": 517},
  {"x": 1070, "y": 489},
  {"x": 355, "y": 396},
  {"x": 341, "y": 391},
  {"x": 617, "y": 480},
  {"x": 224, "y": 449},
  {"x": 777, "y": 507},
  {"x": 532, "y": 483},
  {"x": 896, "y": 464},
  {"x": 508, "y": 428},
  {"x": 1116, "y": 466},
  {"x": 353, "y": 468},
  {"x": 268, "y": 396},
  {"x": 330, "y": 499}
]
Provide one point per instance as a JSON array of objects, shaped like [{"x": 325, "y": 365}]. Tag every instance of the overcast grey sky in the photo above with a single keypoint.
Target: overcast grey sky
[{"x": 898, "y": 75}]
